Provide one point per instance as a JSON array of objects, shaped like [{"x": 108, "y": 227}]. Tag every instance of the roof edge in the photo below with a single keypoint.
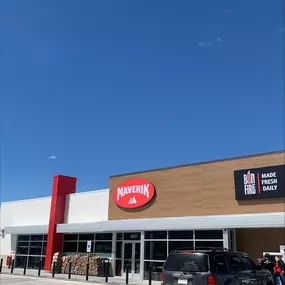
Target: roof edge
[
  {"x": 200, "y": 163},
  {"x": 89, "y": 192},
  {"x": 25, "y": 200}
]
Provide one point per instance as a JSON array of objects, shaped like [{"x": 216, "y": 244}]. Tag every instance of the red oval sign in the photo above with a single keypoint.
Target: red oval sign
[{"x": 133, "y": 193}]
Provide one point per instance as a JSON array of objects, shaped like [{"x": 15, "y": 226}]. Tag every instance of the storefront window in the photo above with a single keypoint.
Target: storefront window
[
  {"x": 20, "y": 261},
  {"x": 22, "y": 248},
  {"x": 43, "y": 262},
  {"x": 175, "y": 245},
  {"x": 77, "y": 243},
  {"x": 103, "y": 247},
  {"x": 119, "y": 249},
  {"x": 156, "y": 268},
  {"x": 35, "y": 248},
  {"x": 73, "y": 237},
  {"x": 30, "y": 248},
  {"x": 156, "y": 235},
  {"x": 34, "y": 262},
  {"x": 205, "y": 244},
  {"x": 44, "y": 248},
  {"x": 104, "y": 236},
  {"x": 82, "y": 246},
  {"x": 155, "y": 250},
  {"x": 70, "y": 247},
  {"x": 118, "y": 267},
  {"x": 36, "y": 237},
  {"x": 180, "y": 235},
  {"x": 86, "y": 237},
  {"x": 23, "y": 237},
  {"x": 214, "y": 234},
  {"x": 119, "y": 236}
]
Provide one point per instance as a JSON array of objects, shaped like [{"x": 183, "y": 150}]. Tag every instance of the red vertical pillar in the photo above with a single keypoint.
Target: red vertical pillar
[{"x": 62, "y": 186}]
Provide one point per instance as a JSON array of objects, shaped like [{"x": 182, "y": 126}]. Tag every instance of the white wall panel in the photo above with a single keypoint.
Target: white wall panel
[
  {"x": 7, "y": 244},
  {"x": 21, "y": 216},
  {"x": 26, "y": 212},
  {"x": 87, "y": 207},
  {"x": 21, "y": 213}
]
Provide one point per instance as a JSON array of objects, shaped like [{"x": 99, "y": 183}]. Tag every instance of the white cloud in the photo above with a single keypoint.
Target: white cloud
[
  {"x": 52, "y": 157},
  {"x": 209, "y": 43},
  {"x": 204, "y": 44}
]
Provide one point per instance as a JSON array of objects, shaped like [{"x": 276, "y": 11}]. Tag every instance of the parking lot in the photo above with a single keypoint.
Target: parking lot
[{"x": 8, "y": 279}]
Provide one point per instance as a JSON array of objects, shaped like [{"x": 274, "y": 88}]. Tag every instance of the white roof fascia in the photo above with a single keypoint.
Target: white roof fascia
[{"x": 261, "y": 220}]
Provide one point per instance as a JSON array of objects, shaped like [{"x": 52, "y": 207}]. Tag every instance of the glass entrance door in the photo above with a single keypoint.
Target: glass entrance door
[
  {"x": 128, "y": 255},
  {"x": 131, "y": 257}
]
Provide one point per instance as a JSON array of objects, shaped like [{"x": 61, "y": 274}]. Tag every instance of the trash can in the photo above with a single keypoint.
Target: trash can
[
  {"x": 101, "y": 270},
  {"x": 9, "y": 261}
]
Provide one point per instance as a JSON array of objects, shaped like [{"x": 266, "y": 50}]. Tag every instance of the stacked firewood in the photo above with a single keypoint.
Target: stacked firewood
[
  {"x": 57, "y": 261},
  {"x": 79, "y": 263}
]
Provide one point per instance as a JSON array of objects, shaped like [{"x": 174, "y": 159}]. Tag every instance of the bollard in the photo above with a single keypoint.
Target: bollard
[
  {"x": 149, "y": 275},
  {"x": 69, "y": 271},
  {"x": 127, "y": 275},
  {"x": 1, "y": 265},
  {"x": 25, "y": 266},
  {"x": 53, "y": 269},
  {"x": 106, "y": 269},
  {"x": 12, "y": 266},
  {"x": 87, "y": 271},
  {"x": 39, "y": 269}
]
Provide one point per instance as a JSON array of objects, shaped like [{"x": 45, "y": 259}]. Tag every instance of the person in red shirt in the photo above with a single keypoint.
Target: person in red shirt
[{"x": 279, "y": 271}]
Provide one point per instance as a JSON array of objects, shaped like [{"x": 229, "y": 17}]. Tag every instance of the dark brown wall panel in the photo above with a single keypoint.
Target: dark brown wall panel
[
  {"x": 196, "y": 190},
  {"x": 256, "y": 241}
]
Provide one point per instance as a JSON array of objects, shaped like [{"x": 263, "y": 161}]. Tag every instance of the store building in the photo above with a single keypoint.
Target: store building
[{"x": 234, "y": 203}]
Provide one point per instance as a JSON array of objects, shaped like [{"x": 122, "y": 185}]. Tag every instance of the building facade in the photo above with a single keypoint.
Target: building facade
[{"x": 235, "y": 203}]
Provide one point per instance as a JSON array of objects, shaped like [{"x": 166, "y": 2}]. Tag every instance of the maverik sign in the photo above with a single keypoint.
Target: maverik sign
[
  {"x": 133, "y": 193},
  {"x": 258, "y": 183}
]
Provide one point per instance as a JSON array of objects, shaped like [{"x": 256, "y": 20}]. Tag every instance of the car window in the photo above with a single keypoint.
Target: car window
[
  {"x": 221, "y": 263},
  {"x": 241, "y": 263},
  {"x": 187, "y": 262},
  {"x": 236, "y": 263},
  {"x": 248, "y": 264}
]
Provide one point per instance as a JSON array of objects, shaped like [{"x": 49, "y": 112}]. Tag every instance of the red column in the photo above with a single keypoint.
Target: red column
[{"x": 62, "y": 186}]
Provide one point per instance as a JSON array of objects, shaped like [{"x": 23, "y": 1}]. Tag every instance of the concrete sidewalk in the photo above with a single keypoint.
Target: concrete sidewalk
[
  {"x": 6, "y": 279},
  {"x": 77, "y": 278}
]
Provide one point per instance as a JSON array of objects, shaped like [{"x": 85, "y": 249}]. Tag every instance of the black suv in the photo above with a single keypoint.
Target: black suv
[{"x": 212, "y": 267}]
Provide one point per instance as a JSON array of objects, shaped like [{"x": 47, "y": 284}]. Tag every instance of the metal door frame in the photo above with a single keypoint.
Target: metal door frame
[{"x": 133, "y": 260}]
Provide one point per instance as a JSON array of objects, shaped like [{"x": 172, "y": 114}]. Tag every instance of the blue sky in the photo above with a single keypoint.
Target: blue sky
[{"x": 96, "y": 88}]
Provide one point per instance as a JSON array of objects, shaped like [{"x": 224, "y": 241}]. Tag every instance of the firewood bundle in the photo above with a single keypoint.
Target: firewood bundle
[
  {"x": 57, "y": 261},
  {"x": 79, "y": 264}
]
